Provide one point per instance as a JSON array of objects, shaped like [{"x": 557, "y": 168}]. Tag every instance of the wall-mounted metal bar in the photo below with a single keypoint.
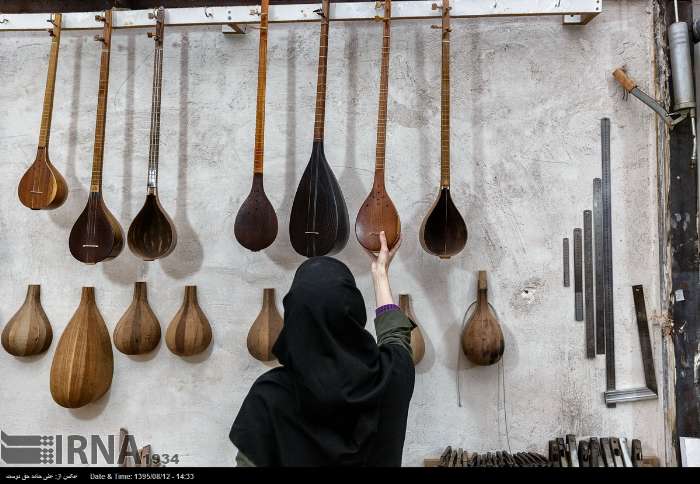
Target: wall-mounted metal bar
[{"x": 573, "y": 11}]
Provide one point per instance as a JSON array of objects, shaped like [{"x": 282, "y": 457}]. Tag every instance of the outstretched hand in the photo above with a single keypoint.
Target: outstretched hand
[{"x": 381, "y": 261}]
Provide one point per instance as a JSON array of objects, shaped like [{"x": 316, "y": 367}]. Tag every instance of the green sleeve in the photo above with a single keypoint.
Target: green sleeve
[
  {"x": 393, "y": 327},
  {"x": 243, "y": 461}
]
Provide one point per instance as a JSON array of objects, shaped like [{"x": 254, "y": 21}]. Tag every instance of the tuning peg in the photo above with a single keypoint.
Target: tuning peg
[
  {"x": 319, "y": 12},
  {"x": 150, "y": 35},
  {"x": 436, "y": 6},
  {"x": 99, "y": 38},
  {"x": 51, "y": 21},
  {"x": 151, "y": 15},
  {"x": 100, "y": 18},
  {"x": 51, "y": 32}
]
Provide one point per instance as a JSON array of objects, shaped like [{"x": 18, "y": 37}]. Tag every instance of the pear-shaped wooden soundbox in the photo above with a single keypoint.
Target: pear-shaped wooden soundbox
[
  {"x": 482, "y": 340},
  {"x": 28, "y": 332},
  {"x": 189, "y": 332},
  {"x": 138, "y": 331},
  {"x": 83, "y": 362},
  {"x": 417, "y": 342},
  {"x": 265, "y": 329}
]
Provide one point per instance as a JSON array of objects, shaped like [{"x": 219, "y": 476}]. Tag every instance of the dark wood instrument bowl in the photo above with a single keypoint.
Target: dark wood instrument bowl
[
  {"x": 42, "y": 187},
  {"x": 255, "y": 227},
  {"x": 482, "y": 340},
  {"x": 96, "y": 235},
  {"x": 152, "y": 233},
  {"x": 376, "y": 214},
  {"x": 318, "y": 223},
  {"x": 443, "y": 232}
]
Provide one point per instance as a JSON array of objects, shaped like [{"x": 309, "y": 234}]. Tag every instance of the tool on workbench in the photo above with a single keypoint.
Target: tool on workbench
[
  {"x": 565, "y": 252},
  {"x": 650, "y": 391},
  {"x": 616, "y": 451},
  {"x": 606, "y": 263},
  {"x": 578, "y": 276},
  {"x": 606, "y": 452},
  {"x": 598, "y": 243},
  {"x": 571, "y": 450},
  {"x": 588, "y": 282}
]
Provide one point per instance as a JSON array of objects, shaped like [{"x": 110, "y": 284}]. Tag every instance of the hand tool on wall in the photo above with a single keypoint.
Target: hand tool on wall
[
  {"x": 578, "y": 275},
  {"x": 637, "y": 456},
  {"x": 588, "y": 282},
  {"x": 626, "y": 458},
  {"x": 598, "y": 244},
  {"x": 571, "y": 450},
  {"x": 650, "y": 391},
  {"x": 584, "y": 454},
  {"x": 596, "y": 458},
  {"x": 616, "y": 451},
  {"x": 565, "y": 255}
]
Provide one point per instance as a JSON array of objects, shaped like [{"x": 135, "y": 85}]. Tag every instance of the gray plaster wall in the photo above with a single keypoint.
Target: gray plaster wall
[{"x": 527, "y": 97}]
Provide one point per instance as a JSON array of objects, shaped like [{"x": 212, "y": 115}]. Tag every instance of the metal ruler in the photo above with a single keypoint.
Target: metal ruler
[
  {"x": 565, "y": 251},
  {"x": 578, "y": 276},
  {"x": 607, "y": 260},
  {"x": 588, "y": 281},
  {"x": 598, "y": 241}
]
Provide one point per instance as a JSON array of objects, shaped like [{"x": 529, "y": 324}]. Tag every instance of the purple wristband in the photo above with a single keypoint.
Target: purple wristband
[{"x": 386, "y": 308}]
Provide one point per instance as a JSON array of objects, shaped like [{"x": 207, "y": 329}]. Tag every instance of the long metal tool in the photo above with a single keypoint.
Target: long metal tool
[
  {"x": 598, "y": 242},
  {"x": 578, "y": 276},
  {"x": 567, "y": 264},
  {"x": 650, "y": 391},
  {"x": 588, "y": 282},
  {"x": 607, "y": 260}
]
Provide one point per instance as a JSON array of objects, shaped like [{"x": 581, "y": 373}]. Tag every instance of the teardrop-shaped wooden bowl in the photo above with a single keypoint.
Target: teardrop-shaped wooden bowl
[
  {"x": 255, "y": 227},
  {"x": 152, "y": 233},
  {"x": 138, "y": 330},
  {"x": 482, "y": 340},
  {"x": 28, "y": 332},
  {"x": 83, "y": 363},
  {"x": 42, "y": 186},
  {"x": 265, "y": 329},
  {"x": 443, "y": 232},
  {"x": 189, "y": 333},
  {"x": 417, "y": 341}
]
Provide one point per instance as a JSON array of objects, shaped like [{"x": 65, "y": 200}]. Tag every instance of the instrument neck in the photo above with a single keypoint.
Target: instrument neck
[
  {"x": 481, "y": 297},
  {"x": 262, "y": 78},
  {"x": 154, "y": 148},
  {"x": 50, "y": 84},
  {"x": 383, "y": 93},
  {"x": 445, "y": 99},
  {"x": 98, "y": 153},
  {"x": 320, "y": 116}
]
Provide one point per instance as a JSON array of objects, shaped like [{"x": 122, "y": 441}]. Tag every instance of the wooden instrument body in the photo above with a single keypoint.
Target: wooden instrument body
[
  {"x": 319, "y": 223},
  {"x": 265, "y": 329},
  {"x": 28, "y": 332},
  {"x": 42, "y": 187},
  {"x": 443, "y": 232},
  {"x": 255, "y": 227},
  {"x": 138, "y": 330},
  {"x": 96, "y": 235},
  {"x": 83, "y": 363},
  {"x": 189, "y": 332},
  {"x": 482, "y": 340},
  {"x": 152, "y": 233},
  {"x": 378, "y": 212},
  {"x": 417, "y": 341}
]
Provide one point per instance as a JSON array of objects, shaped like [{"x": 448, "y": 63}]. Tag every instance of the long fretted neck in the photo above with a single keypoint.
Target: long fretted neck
[
  {"x": 98, "y": 152},
  {"x": 320, "y": 117},
  {"x": 445, "y": 99},
  {"x": 262, "y": 79},
  {"x": 154, "y": 148},
  {"x": 383, "y": 93},
  {"x": 50, "y": 83}
]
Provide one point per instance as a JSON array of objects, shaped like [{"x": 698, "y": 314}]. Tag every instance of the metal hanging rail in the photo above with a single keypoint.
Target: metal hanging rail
[{"x": 575, "y": 12}]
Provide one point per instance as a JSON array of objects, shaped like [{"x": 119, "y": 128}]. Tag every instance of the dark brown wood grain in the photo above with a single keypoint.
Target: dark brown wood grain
[
  {"x": 83, "y": 364},
  {"x": 378, "y": 212},
  {"x": 138, "y": 330},
  {"x": 42, "y": 187},
  {"x": 318, "y": 223},
  {"x": 255, "y": 227},
  {"x": 482, "y": 339},
  {"x": 443, "y": 232},
  {"x": 28, "y": 332},
  {"x": 152, "y": 233},
  {"x": 96, "y": 234},
  {"x": 189, "y": 332}
]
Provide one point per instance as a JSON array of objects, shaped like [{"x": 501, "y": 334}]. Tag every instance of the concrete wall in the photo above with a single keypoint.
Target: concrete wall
[{"x": 527, "y": 96}]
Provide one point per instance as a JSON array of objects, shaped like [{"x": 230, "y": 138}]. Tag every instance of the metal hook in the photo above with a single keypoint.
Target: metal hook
[
  {"x": 4, "y": 20},
  {"x": 207, "y": 13},
  {"x": 319, "y": 12}
]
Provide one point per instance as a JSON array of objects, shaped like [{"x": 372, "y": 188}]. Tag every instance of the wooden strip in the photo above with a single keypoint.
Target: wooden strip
[{"x": 262, "y": 81}]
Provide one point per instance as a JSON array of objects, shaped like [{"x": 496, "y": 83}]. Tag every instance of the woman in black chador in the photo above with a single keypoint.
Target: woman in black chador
[{"x": 339, "y": 398}]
